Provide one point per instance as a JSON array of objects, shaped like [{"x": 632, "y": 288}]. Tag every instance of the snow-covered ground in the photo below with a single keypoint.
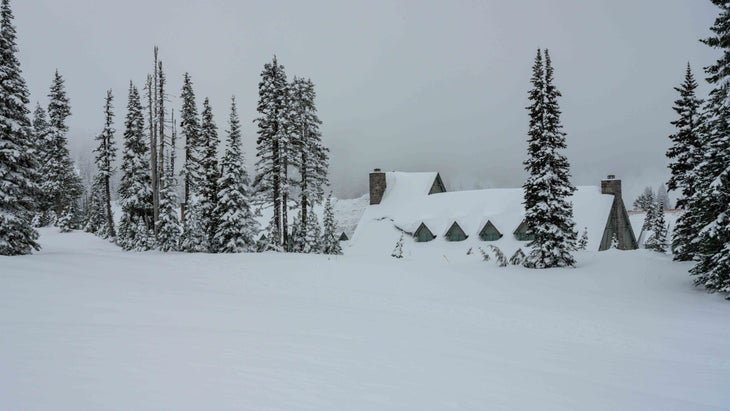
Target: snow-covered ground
[{"x": 86, "y": 326}]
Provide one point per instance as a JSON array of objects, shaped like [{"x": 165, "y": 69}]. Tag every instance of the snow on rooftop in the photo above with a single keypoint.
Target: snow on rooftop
[{"x": 406, "y": 204}]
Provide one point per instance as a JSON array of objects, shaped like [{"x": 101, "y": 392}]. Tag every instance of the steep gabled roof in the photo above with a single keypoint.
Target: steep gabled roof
[{"x": 455, "y": 231}]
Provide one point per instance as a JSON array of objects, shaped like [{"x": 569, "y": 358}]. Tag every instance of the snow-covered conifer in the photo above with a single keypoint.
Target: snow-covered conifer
[
  {"x": 135, "y": 188},
  {"x": 66, "y": 222},
  {"x": 208, "y": 192},
  {"x": 272, "y": 243},
  {"x": 662, "y": 197},
  {"x": 330, "y": 242},
  {"x": 237, "y": 226},
  {"x": 106, "y": 153},
  {"x": 168, "y": 227},
  {"x": 274, "y": 128},
  {"x": 398, "y": 250},
  {"x": 190, "y": 131},
  {"x": 499, "y": 256},
  {"x": 658, "y": 239},
  {"x": 194, "y": 238},
  {"x": 517, "y": 258},
  {"x": 18, "y": 166},
  {"x": 583, "y": 241},
  {"x": 649, "y": 217},
  {"x": 645, "y": 201},
  {"x": 60, "y": 181},
  {"x": 312, "y": 235},
  {"x": 95, "y": 220},
  {"x": 548, "y": 212}
]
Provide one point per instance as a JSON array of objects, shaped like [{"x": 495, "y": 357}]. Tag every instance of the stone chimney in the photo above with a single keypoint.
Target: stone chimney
[
  {"x": 611, "y": 186},
  {"x": 377, "y": 186}
]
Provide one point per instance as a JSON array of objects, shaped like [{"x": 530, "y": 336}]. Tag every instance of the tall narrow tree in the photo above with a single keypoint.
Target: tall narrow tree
[
  {"x": 309, "y": 155},
  {"x": 711, "y": 203},
  {"x": 61, "y": 182},
  {"x": 686, "y": 154},
  {"x": 190, "y": 131},
  {"x": 330, "y": 241},
  {"x": 17, "y": 162},
  {"x": 548, "y": 212},
  {"x": 106, "y": 153},
  {"x": 42, "y": 143},
  {"x": 237, "y": 227},
  {"x": 209, "y": 186},
  {"x": 135, "y": 188},
  {"x": 273, "y": 133}
]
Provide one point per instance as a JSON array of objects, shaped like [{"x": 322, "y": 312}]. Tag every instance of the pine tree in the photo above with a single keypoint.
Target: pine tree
[
  {"x": 309, "y": 155},
  {"x": 710, "y": 205},
  {"x": 208, "y": 194},
  {"x": 190, "y": 131},
  {"x": 658, "y": 239},
  {"x": 398, "y": 250},
  {"x": 169, "y": 228},
  {"x": 66, "y": 222},
  {"x": 106, "y": 153},
  {"x": 237, "y": 227},
  {"x": 60, "y": 181},
  {"x": 272, "y": 243},
  {"x": 518, "y": 258},
  {"x": 645, "y": 201},
  {"x": 194, "y": 238},
  {"x": 649, "y": 217},
  {"x": 663, "y": 198},
  {"x": 583, "y": 241},
  {"x": 548, "y": 212},
  {"x": 42, "y": 144},
  {"x": 135, "y": 188},
  {"x": 312, "y": 235},
  {"x": 96, "y": 221},
  {"x": 330, "y": 242},
  {"x": 274, "y": 128},
  {"x": 18, "y": 167}
]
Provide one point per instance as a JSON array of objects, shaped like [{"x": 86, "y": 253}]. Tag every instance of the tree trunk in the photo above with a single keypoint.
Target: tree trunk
[{"x": 109, "y": 216}]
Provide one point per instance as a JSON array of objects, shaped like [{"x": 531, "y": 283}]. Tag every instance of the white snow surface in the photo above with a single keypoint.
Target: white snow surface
[
  {"x": 87, "y": 326},
  {"x": 406, "y": 204}
]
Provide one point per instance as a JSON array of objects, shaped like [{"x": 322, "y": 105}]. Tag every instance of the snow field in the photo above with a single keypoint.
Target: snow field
[{"x": 85, "y": 325}]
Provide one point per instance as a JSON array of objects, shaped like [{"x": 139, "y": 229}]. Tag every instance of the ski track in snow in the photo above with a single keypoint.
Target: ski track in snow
[{"x": 84, "y": 325}]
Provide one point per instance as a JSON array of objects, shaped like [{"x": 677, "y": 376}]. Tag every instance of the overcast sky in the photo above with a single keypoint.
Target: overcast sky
[{"x": 413, "y": 86}]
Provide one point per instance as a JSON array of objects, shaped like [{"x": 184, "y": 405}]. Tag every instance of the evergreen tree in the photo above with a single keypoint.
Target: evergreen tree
[
  {"x": 194, "y": 238},
  {"x": 135, "y": 188},
  {"x": 663, "y": 198},
  {"x": 398, "y": 250},
  {"x": 190, "y": 130},
  {"x": 237, "y": 227},
  {"x": 649, "y": 217},
  {"x": 312, "y": 235},
  {"x": 645, "y": 201},
  {"x": 330, "y": 242},
  {"x": 686, "y": 151},
  {"x": 272, "y": 242},
  {"x": 548, "y": 212},
  {"x": 66, "y": 222},
  {"x": 274, "y": 128},
  {"x": 499, "y": 256},
  {"x": 583, "y": 241},
  {"x": 518, "y": 258},
  {"x": 42, "y": 144},
  {"x": 168, "y": 228},
  {"x": 96, "y": 220},
  {"x": 309, "y": 155},
  {"x": 485, "y": 254},
  {"x": 208, "y": 198},
  {"x": 710, "y": 205},
  {"x": 18, "y": 167},
  {"x": 60, "y": 181},
  {"x": 658, "y": 239},
  {"x": 106, "y": 153}
]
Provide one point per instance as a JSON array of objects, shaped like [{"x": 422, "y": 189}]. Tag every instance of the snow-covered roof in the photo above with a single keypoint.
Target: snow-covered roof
[{"x": 406, "y": 204}]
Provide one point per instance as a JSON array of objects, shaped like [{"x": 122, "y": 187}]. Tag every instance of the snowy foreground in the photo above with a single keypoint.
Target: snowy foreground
[{"x": 84, "y": 325}]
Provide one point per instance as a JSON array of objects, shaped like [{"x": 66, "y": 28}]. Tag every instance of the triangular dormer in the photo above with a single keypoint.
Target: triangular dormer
[
  {"x": 437, "y": 186},
  {"x": 455, "y": 233},
  {"x": 423, "y": 234},
  {"x": 523, "y": 232},
  {"x": 489, "y": 232}
]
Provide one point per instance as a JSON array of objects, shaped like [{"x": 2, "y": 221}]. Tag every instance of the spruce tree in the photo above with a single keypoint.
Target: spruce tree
[
  {"x": 330, "y": 242},
  {"x": 518, "y": 258},
  {"x": 96, "y": 221},
  {"x": 135, "y": 188},
  {"x": 645, "y": 201},
  {"x": 208, "y": 198},
  {"x": 61, "y": 182},
  {"x": 398, "y": 250},
  {"x": 583, "y": 241},
  {"x": 18, "y": 166},
  {"x": 649, "y": 217},
  {"x": 194, "y": 238},
  {"x": 274, "y": 128},
  {"x": 168, "y": 228},
  {"x": 548, "y": 212},
  {"x": 106, "y": 153},
  {"x": 237, "y": 227},
  {"x": 190, "y": 131},
  {"x": 711, "y": 203},
  {"x": 658, "y": 239},
  {"x": 662, "y": 197},
  {"x": 42, "y": 144},
  {"x": 309, "y": 155},
  {"x": 312, "y": 235}
]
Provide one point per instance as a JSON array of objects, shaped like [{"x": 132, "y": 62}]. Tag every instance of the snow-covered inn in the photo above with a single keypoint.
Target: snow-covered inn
[{"x": 418, "y": 206}]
